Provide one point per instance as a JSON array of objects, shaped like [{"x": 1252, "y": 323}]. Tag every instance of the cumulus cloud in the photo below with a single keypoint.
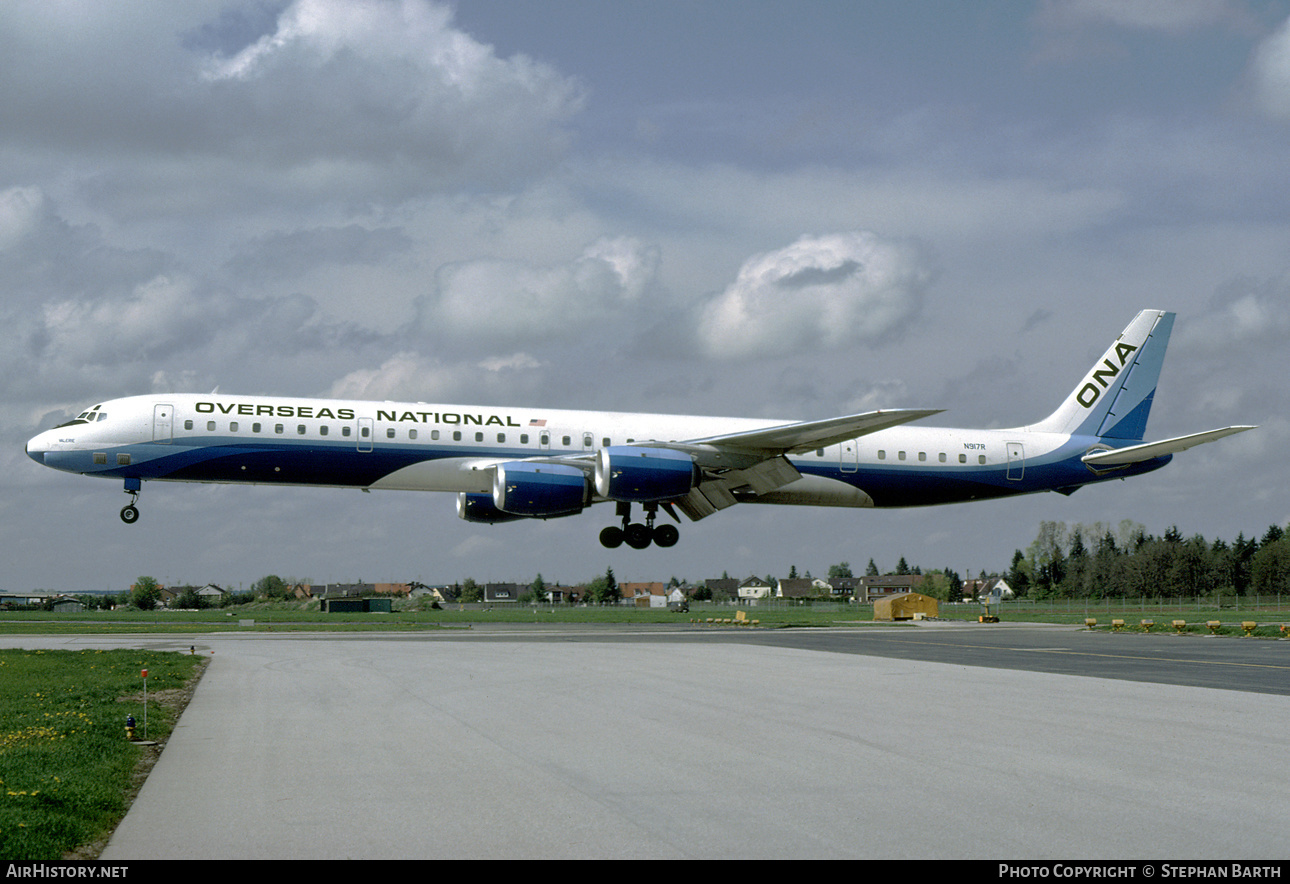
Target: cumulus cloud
[
  {"x": 341, "y": 82},
  {"x": 502, "y": 300},
  {"x": 820, "y": 292},
  {"x": 338, "y": 100}
]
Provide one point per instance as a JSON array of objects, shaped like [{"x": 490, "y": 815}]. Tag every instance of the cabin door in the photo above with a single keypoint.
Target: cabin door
[
  {"x": 163, "y": 424},
  {"x": 1016, "y": 461},
  {"x": 850, "y": 456}
]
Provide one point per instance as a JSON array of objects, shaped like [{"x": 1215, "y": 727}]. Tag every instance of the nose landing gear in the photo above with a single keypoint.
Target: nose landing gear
[
  {"x": 130, "y": 512},
  {"x": 636, "y": 535}
]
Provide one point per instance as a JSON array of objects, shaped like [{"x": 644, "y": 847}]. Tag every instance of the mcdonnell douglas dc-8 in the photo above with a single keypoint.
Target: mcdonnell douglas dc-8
[{"x": 530, "y": 463}]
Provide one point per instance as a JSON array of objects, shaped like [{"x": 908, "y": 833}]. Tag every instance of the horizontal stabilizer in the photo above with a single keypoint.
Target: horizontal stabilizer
[
  {"x": 807, "y": 435},
  {"x": 1152, "y": 450}
]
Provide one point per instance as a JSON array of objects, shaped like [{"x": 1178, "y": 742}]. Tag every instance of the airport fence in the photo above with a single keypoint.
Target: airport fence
[{"x": 1146, "y": 606}]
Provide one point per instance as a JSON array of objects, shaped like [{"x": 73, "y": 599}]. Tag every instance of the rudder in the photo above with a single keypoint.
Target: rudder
[{"x": 1114, "y": 398}]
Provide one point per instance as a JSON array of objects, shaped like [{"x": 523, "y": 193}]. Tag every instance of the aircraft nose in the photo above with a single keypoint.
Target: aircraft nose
[{"x": 35, "y": 450}]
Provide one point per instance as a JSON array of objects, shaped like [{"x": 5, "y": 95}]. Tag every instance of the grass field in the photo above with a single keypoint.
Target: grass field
[{"x": 67, "y": 771}]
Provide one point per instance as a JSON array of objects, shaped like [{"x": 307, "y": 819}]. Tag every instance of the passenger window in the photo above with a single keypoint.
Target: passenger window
[
  {"x": 942, "y": 457},
  {"x": 210, "y": 426},
  {"x": 188, "y": 425},
  {"x": 434, "y": 434},
  {"x": 412, "y": 434},
  {"x": 980, "y": 459},
  {"x": 962, "y": 458},
  {"x": 300, "y": 429},
  {"x": 604, "y": 443},
  {"x": 322, "y": 431},
  {"x": 479, "y": 437},
  {"x": 586, "y": 440},
  {"x": 567, "y": 440},
  {"x": 501, "y": 437},
  {"x": 456, "y": 435},
  {"x": 900, "y": 455},
  {"x": 277, "y": 428},
  {"x": 882, "y": 455},
  {"x": 255, "y": 428},
  {"x": 922, "y": 455},
  {"x": 345, "y": 430},
  {"x": 389, "y": 434},
  {"x": 232, "y": 427}
]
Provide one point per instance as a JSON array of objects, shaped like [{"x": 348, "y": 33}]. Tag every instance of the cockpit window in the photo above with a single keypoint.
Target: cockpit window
[{"x": 88, "y": 416}]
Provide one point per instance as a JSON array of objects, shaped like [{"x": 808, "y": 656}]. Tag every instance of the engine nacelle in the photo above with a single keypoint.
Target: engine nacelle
[
  {"x": 541, "y": 490},
  {"x": 643, "y": 475},
  {"x": 479, "y": 508}
]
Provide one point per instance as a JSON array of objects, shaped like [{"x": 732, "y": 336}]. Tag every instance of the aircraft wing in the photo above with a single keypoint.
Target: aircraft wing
[
  {"x": 754, "y": 461},
  {"x": 1150, "y": 450},
  {"x": 808, "y": 435}
]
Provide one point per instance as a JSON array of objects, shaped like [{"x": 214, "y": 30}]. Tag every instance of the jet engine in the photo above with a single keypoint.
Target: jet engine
[
  {"x": 644, "y": 475},
  {"x": 541, "y": 490},
  {"x": 479, "y": 508}
]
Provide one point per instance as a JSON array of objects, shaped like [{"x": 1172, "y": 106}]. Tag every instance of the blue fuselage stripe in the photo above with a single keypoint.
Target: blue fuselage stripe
[{"x": 341, "y": 464}]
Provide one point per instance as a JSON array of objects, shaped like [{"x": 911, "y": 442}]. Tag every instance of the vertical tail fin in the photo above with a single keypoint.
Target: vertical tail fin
[{"x": 1114, "y": 398}]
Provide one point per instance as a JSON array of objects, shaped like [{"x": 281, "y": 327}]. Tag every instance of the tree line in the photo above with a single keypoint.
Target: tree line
[{"x": 1101, "y": 561}]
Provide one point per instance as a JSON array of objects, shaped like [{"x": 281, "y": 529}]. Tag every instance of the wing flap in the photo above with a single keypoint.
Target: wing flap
[{"x": 1151, "y": 450}]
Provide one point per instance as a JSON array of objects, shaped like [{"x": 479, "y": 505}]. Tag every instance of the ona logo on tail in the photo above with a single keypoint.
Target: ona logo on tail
[{"x": 1090, "y": 392}]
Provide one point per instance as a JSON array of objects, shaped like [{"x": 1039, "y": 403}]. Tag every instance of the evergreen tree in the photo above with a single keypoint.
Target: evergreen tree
[
  {"x": 1270, "y": 567},
  {"x": 1019, "y": 574}
]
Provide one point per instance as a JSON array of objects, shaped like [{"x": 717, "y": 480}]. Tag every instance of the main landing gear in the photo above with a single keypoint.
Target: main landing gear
[
  {"x": 130, "y": 512},
  {"x": 636, "y": 535}
]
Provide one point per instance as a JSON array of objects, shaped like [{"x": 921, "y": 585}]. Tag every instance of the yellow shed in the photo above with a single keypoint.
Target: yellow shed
[{"x": 905, "y": 606}]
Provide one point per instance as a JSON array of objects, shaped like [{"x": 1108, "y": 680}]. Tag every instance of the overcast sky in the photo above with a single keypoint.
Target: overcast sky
[{"x": 582, "y": 204}]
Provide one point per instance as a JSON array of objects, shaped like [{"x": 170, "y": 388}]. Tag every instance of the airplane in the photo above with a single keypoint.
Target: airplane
[{"x": 507, "y": 464}]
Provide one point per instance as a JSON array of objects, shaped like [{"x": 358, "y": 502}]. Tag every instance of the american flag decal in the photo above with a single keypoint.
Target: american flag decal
[{"x": 541, "y": 423}]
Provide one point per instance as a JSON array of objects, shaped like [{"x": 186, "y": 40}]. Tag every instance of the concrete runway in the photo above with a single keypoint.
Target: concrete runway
[{"x": 573, "y": 744}]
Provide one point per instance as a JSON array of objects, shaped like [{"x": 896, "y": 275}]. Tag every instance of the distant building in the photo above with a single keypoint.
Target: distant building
[
  {"x": 643, "y": 595},
  {"x": 983, "y": 589},
  {"x": 503, "y": 592},
  {"x": 845, "y": 588},
  {"x": 888, "y": 585},
  {"x": 753, "y": 588},
  {"x": 212, "y": 595},
  {"x": 802, "y": 588}
]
